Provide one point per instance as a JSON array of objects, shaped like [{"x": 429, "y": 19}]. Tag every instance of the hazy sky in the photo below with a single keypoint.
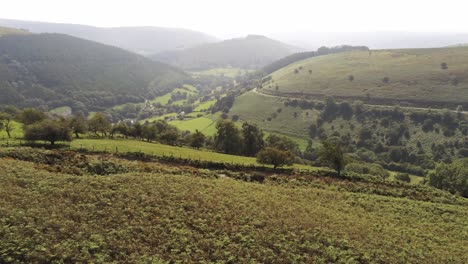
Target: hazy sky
[{"x": 240, "y": 17}]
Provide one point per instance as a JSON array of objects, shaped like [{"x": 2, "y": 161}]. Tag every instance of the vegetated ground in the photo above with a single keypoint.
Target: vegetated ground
[
  {"x": 286, "y": 123},
  {"x": 150, "y": 212},
  {"x": 413, "y": 75},
  {"x": 228, "y": 72}
]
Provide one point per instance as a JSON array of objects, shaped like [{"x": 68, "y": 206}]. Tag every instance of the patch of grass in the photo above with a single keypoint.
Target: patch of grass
[
  {"x": 201, "y": 124},
  {"x": 204, "y": 106},
  {"x": 62, "y": 111},
  {"x": 15, "y": 134},
  {"x": 157, "y": 149}
]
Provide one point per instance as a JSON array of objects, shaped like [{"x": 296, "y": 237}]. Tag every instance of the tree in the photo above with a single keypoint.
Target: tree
[
  {"x": 385, "y": 79},
  {"x": 122, "y": 129},
  {"x": 275, "y": 157},
  {"x": 351, "y": 78},
  {"x": 30, "y": 116},
  {"x": 282, "y": 143},
  {"x": 228, "y": 138},
  {"x": 48, "y": 130},
  {"x": 197, "y": 140},
  {"x": 451, "y": 177},
  {"x": 444, "y": 66},
  {"x": 99, "y": 124},
  {"x": 149, "y": 132},
  {"x": 79, "y": 125},
  {"x": 6, "y": 122},
  {"x": 331, "y": 154},
  {"x": 253, "y": 139}
]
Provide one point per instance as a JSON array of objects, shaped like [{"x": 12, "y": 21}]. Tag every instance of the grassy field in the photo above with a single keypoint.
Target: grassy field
[
  {"x": 413, "y": 74},
  {"x": 16, "y": 133},
  {"x": 257, "y": 108},
  {"x": 202, "y": 124},
  {"x": 171, "y": 215},
  {"x": 113, "y": 145},
  {"x": 157, "y": 149},
  {"x": 62, "y": 111},
  {"x": 228, "y": 72}
]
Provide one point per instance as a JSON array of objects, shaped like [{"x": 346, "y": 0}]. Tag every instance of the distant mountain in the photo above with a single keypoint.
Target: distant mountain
[
  {"x": 251, "y": 52},
  {"x": 142, "y": 40},
  {"x": 51, "y": 70},
  {"x": 373, "y": 40}
]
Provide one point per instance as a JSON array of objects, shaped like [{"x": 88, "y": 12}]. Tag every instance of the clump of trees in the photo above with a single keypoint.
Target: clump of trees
[{"x": 452, "y": 177}]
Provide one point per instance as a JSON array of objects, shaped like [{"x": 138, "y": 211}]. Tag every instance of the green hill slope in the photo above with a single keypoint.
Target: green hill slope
[
  {"x": 53, "y": 70},
  {"x": 142, "y": 40},
  {"x": 250, "y": 52},
  {"x": 49, "y": 215},
  {"x": 386, "y": 76}
]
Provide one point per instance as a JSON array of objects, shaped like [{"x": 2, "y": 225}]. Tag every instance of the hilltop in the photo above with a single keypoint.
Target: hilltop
[
  {"x": 250, "y": 52},
  {"x": 426, "y": 77},
  {"x": 12, "y": 31},
  {"x": 142, "y": 40},
  {"x": 52, "y": 70}
]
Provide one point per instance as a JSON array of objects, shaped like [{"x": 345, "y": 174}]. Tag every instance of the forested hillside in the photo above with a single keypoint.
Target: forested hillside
[
  {"x": 251, "y": 52},
  {"x": 52, "y": 70}
]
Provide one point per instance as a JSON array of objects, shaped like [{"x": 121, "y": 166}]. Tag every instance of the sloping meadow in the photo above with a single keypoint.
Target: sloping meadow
[{"x": 151, "y": 212}]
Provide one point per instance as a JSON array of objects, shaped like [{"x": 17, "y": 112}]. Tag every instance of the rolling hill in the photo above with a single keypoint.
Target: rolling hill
[
  {"x": 425, "y": 77},
  {"x": 250, "y": 52},
  {"x": 51, "y": 70},
  {"x": 142, "y": 40}
]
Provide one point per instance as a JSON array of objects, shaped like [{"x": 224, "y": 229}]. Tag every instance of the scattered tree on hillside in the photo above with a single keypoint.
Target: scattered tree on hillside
[
  {"x": 351, "y": 78},
  {"x": 48, "y": 130},
  {"x": 122, "y": 129},
  {"x": 99, "y": 124},
  {"x": 6, "y": 122},
  {"x": 331, "y": 154},
  {"x": 30, "y": 116},
  {"x": 282, "y": 143},
  {"x": 253, "y": 139},
  {"x": 79, "y": 125},
  {"x": 197, "y": 140},
  {"x": 275, "y": 157},
  {"x": 228, "y": 138},
  {"x": 385, "y": 79},
  {"x": 444, "y": 66}
]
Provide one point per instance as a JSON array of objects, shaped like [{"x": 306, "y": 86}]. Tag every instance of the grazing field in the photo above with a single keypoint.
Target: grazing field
[
  {"x": 413, "y": 74},
  {"x": 228, "y": 72},
  {"x": 171, "y": 215},
  {"x": 157, "y": 149},
  {"x": 202, "y": 124}
]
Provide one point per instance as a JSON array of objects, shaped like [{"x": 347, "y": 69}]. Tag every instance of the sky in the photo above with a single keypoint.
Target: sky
[{"x": 240, "y": 17}]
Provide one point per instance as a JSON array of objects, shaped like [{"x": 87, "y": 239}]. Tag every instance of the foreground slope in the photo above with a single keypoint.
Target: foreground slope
[
  {"x": 53, "y": 70},
  {"x": 387, "y": 76},
  {"x": 172, "y": 215},
  {"x": 143, "y": 40},
  {"x": 250, "y": 52}
]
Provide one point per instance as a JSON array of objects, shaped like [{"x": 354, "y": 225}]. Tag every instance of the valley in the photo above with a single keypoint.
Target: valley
[{"x": 162, "y": 145}]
